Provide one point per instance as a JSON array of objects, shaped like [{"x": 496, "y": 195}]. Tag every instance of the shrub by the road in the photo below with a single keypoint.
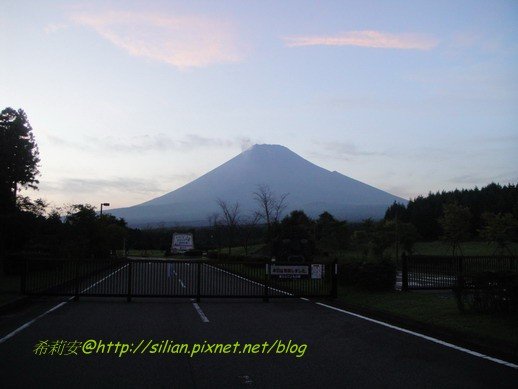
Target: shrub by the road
[{"x": 489, "y": 292}]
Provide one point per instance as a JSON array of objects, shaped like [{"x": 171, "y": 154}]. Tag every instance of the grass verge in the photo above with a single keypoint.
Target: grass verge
[{"x": 437, "y": 309}]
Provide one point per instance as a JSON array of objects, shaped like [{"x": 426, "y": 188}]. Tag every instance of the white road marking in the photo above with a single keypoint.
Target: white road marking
[
  {"x": 29, "y": 323},
  {"x": 98, "y": 282},
  {"x": 11, "y": 334},
  {"x": 200, "y": 312},
  {"x": 435, "y": 340},
  {"x": 246, "y": 279}
]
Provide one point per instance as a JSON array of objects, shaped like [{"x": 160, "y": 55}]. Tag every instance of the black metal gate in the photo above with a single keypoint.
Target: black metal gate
[
  {"x": 447, "y": 272},
  {"x": 178, "y": 278}
]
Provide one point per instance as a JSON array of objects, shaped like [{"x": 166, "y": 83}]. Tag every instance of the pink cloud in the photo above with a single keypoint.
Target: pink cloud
[
  {"x": 181, "y": 41},
  {"x": 374, "y": 39}
]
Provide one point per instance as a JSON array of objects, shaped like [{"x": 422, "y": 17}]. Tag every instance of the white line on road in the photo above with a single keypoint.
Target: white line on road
[
  {"x": 200, "y": 312},
  {"x": 246, "y": 279},
  {"x": 29, "y": 323},
  {"x": 438, "y": 341},
  {"x": 11, "y": 334}
]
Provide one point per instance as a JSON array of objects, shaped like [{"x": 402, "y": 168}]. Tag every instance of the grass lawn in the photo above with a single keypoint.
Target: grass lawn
[
  {"x": 240, "y": 250},
  {"x": 146, "y": 253},
  {"x": 421, "y": 248},
  {"x": 468, "y": 248},
  {"x": 438, "y": 309}
]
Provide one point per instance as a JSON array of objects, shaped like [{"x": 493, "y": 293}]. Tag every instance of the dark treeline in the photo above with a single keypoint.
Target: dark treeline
[
  {"x": 80, "y": 233},
  {"x": 425, "y": 213},
  {"x": 205, "y": 238}
]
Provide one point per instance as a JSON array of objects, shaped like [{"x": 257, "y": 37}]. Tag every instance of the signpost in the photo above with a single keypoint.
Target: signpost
[
  {"x": 313, "y": 271},
  {"x": 182, "y": 242},
  {"x": 289, "y": 271}
]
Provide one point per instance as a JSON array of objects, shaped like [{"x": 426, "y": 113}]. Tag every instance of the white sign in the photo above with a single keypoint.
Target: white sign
[
  {"x": 289, "y": 271},
  {"x": 182, "y": 242},
  {"x": 317, "y": 271}
]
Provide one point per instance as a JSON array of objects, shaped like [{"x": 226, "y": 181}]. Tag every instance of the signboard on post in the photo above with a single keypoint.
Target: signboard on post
[
  {"x": 317, "y": 271},
  {"x": 289, "y": 271},
  {"x": 182, "y": 242}
]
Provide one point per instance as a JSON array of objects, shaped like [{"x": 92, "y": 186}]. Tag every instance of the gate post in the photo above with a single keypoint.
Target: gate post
[
  {"x": 198, "y": 281},
  {"x": 128, "y": 298},
  {"x": 76, "y": 281},
  {"x": 266, "y": 283},
  {"x": 404, "y": 272},
  {"x": 460, "y": 273},
  {"x": 334, "y": 279},
  {"x": 23, "y": 286}
]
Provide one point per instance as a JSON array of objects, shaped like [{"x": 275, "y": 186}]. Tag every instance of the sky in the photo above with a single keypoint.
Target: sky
[{"x": 129, "y": 100}]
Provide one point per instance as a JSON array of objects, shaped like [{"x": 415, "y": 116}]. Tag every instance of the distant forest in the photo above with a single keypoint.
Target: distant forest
[{"x": 425, "y": 212}]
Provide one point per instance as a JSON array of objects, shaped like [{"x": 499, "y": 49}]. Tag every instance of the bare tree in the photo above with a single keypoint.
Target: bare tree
[
  {"x": 248, "y": 225},
  {"x": 270, "y": 207},
  {"x": 214, "y": 224},
  {"x": 231, "y": 216}
]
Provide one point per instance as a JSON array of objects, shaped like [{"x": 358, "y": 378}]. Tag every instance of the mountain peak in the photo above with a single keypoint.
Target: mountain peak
[
  {"x": 264, "y": 147},
  {"x": 310, "y": 187}
]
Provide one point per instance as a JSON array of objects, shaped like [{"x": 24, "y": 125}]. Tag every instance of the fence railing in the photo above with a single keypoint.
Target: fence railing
[
  {"x": 446, "y": 272},
  {"x": 177, "y": 278}
]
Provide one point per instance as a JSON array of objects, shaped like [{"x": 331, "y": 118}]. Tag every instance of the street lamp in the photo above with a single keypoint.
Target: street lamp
[{"x": 106, "y": 205}]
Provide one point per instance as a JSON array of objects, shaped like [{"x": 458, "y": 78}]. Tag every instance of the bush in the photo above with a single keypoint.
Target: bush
[
  {"x": 371, "y": 276},
  {"x": 495, "y": 292}
]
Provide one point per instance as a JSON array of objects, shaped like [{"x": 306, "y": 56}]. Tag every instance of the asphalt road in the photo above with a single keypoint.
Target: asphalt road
[{"x": 342, "y": 350}]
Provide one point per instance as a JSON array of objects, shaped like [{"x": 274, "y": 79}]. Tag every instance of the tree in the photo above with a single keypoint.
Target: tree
[
  {"x": 231, "y": 215},
  {"x": 270, "y": 207},
  {"x": 247, "y": 226},
  {"x": 331, "y": 233},
  {"x": 396, "y": 211},
  {"x": 456, "y": 224},
  {"x": 500, "y": 229},
  {"x": 19, "y": 157}
]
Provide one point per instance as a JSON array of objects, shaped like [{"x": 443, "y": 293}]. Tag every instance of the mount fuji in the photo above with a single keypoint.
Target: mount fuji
[{"x": 310, "y": 188}]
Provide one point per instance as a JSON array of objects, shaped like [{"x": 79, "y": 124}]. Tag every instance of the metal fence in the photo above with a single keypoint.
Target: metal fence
[
  {"x": 178, "y": 278},
  {"x": 446, "y": 272}
]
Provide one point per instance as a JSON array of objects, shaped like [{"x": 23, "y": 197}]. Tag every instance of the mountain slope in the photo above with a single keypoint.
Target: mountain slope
[{"x": 310, "y": 188}]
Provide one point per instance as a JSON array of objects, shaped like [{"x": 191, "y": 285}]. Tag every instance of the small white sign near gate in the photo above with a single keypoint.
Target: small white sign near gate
[{"x": 182, "y": 242}]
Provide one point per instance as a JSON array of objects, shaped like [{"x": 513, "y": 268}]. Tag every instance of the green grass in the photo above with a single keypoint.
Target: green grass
[
  {"x": 438, "y": 309},
  {"x": 468, "y": 248},
  {"x": 240, "y": 250},
  {"x": 421, "y": 248},
  {"x": 146, "y": 253}
]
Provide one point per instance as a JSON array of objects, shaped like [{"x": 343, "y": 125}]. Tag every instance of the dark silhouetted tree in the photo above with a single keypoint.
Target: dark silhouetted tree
[
  {"x": 271, "y": 207},
  {"x": 231, "y": 214},
  {"x": 500, "y": 229},
  {"x": 19, "y": 157},
  {"x": 456, "y": 224}
]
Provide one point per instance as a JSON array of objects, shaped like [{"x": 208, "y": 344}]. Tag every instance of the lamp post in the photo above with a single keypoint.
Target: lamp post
[{"x": 106, "y": 205}]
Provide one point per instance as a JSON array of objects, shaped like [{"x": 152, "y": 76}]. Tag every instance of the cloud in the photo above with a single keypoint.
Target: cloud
[
  {"x": 341, "y": 150},
  {"x": 181, "y": 41},
  {"x": 245, "y": 143},
  {"x": 90, "y": 185},
  {"x": 145, "y": 143},
  {"x": 54, "y": 27},
  {"x": 375, "y": 39}
]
